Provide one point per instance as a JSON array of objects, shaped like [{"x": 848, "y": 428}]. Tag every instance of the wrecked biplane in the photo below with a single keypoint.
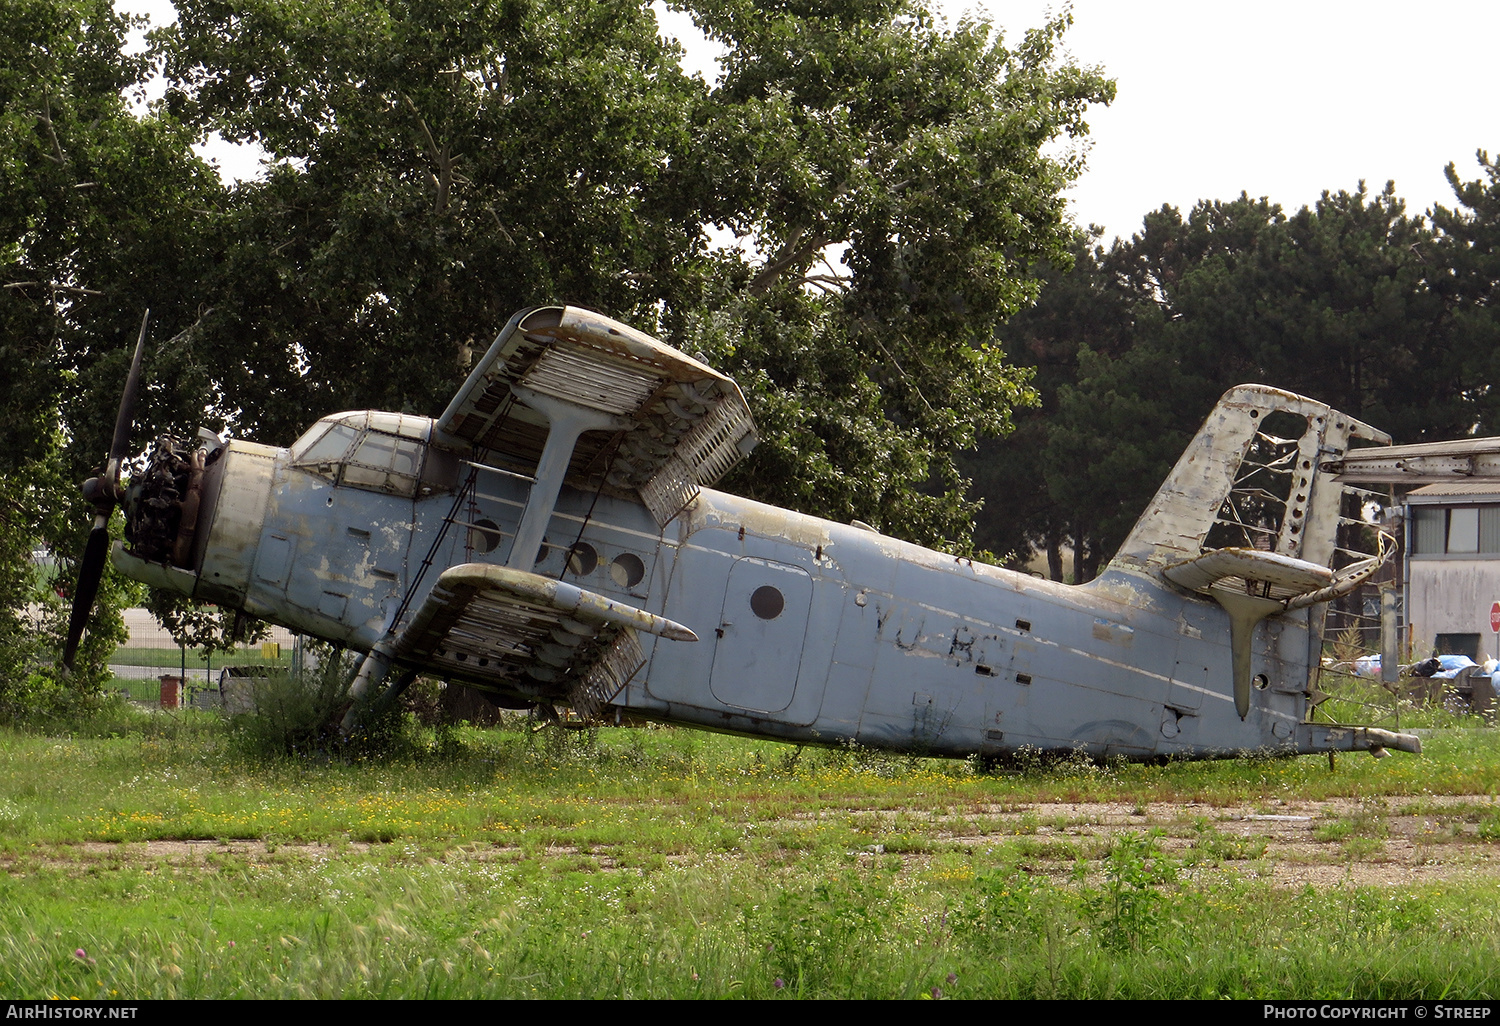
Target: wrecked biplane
[{"x": 551, "y": 538}]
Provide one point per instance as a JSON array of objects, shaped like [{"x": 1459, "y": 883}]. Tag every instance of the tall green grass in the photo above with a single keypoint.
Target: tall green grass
[{"x": 170, "y": 856}]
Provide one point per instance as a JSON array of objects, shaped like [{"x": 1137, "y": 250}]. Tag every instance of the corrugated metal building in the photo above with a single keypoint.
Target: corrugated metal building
[{"x": 1452, "y": 567}]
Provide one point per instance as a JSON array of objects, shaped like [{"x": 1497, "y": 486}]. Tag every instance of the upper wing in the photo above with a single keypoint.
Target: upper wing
[
  {"x": 1463, "y": 459},
  {"x": 690, "y": 423}
]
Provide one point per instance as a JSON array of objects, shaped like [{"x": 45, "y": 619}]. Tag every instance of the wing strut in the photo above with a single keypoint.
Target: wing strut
[{"x": 565, "y": 422}]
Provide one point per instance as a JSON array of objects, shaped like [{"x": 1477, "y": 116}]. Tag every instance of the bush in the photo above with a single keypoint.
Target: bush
[
  {"x": 300, "y": 711},
  {"x": 1130, "y": 910},
  {"x": 820, "y": 942}
]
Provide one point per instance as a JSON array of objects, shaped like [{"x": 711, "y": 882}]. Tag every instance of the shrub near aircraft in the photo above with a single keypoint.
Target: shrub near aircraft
[{"x": 551, "y": 539}]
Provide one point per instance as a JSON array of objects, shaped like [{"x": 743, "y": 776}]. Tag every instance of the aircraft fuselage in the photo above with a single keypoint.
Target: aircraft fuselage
[{"x": 808, "y": 630}]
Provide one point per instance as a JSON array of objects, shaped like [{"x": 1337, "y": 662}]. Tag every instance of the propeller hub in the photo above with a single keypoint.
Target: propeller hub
[{"x": 102, "y": 493}]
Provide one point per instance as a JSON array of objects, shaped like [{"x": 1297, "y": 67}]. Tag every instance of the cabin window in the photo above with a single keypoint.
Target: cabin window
[
  {"x": 484, "y": 536},
  {"x": 627, "y": 570},
  {"x": 583, "y": 559},
  {"x": 767, "y": 602},
  {"x": 331, "y": 448},
  {"x": 384, "y": 463}
]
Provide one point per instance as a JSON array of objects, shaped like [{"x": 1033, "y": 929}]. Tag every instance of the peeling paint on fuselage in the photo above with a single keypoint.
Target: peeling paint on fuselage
[
  {"x": 1010, "y": 660},
  {"x": 898, "y": 646}
]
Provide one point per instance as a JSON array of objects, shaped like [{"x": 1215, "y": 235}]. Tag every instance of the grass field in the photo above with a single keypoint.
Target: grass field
[
  {"x": 153, "y": 856},
  {"x": 172, "y": 658}
]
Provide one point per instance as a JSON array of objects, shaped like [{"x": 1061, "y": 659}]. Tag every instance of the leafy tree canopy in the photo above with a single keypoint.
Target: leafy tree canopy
[
  {"x": 1464, "y": 269},
  {"x": 1385, "y": 316},
  {"x": 97, "y": 220},
  {"x": 439, "y": 164}
]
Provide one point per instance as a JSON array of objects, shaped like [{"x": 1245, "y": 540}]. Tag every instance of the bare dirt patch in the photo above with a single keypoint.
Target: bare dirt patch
[
  {"x": 1378, "y": 841},
  {"x": 1323, "y": 843}
]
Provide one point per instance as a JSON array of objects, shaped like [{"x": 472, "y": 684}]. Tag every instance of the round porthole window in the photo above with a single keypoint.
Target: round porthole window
[
  {"x": 484, "y": 535},
  {"x": 627, "y": 570},
  {"x": 583, "y": 559},
  {"x": 767, "y": 602}
]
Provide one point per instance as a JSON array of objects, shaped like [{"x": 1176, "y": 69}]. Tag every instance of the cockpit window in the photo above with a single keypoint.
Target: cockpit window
[
  {"x": 384, "y": 463},
  {"x": 380, "y": 452},
  {"x": 332, "y": 447}
]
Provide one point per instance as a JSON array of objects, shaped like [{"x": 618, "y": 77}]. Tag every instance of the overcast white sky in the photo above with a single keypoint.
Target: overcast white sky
[{"x": 1278, "y": 98}]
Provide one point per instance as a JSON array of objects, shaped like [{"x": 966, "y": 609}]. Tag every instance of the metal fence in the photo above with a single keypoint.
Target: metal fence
[{"x": 151, "y": 667}]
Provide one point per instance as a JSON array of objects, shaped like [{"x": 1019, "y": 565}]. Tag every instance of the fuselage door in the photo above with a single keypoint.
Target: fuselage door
[{"x": 761, "y": 631}]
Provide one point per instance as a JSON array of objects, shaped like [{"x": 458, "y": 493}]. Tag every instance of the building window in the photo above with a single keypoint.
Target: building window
[
  {"x": 1458, "y": 644},
  {"x": 1455, "y": 530},
  {"x": 1463, "y": 530},
  {"x": 1429, "y": 531}
]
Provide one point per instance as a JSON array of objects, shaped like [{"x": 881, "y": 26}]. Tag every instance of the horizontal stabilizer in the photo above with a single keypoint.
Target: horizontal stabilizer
[
  {"x": 1279, "y": 576},
  {"x": 1260, "y": 584},
  {"x": 522, "y": 633}
]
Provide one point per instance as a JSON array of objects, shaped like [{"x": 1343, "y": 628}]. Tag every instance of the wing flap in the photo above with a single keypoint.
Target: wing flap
[{"x": 714, "y": 444}]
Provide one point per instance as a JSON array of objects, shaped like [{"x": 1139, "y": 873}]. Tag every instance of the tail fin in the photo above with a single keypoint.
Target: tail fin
[
  {"x": 1251, "y": 479},
  {"x": 1250, "y": 517}
]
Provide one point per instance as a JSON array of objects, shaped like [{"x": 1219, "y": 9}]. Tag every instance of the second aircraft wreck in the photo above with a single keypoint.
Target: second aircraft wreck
[{"x": 552, "y": 538}]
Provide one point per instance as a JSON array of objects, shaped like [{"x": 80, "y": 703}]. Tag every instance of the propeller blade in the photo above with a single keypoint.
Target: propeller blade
[
  {"x": 119, "y": 447},
  {"x": 90, "y": 572},
  {"x": 103, "y": 492}
]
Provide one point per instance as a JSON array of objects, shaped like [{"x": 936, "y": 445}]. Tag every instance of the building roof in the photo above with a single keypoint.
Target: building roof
[{"x": 1460, "y": 491}]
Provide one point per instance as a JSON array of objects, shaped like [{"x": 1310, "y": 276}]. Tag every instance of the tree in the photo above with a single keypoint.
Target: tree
[
  {"x": 436, "y": 166},
  {"x": 439, "y": 164},
  {"x": 1342, "y": 301},
  {"x": 1341, "y": 307},
  {"x": 919, "y": 151},
  {"x": 1079, "y": 306},
  {"x": 93, "y": 228},
  {"x": 1133, "y": 407},
  {"x": 1125, "y": 378},
  {"x": 1464, "y": 263}
]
